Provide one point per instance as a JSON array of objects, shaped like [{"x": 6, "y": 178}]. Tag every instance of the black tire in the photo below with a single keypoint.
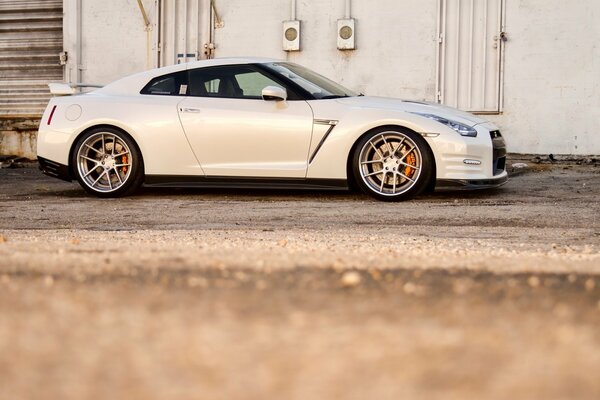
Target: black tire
[
  {"x": 111, "y": 158},
  {"x": 403, "y": 157}
]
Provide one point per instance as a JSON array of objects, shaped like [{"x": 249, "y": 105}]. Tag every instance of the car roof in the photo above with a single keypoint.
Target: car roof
[{"x": 133, "y": 84}]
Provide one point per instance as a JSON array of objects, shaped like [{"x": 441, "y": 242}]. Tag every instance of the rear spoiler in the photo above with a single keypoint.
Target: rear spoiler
[{"x": 65, "y": 89}]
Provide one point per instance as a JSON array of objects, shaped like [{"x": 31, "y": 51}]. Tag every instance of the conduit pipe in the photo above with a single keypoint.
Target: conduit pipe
[
  {"x": 293, "y": 11},
  {"x": 347, "y": 12}
]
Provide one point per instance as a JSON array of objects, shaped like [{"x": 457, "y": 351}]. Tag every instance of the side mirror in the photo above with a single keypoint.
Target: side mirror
[{"x": 274, "y": 93}]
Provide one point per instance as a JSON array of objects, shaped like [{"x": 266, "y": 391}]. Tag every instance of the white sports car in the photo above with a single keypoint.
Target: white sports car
[{"x": 249, "y": 122}]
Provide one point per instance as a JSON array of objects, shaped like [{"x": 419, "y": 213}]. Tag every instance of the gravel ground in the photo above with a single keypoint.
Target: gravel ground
[{"x": 190, "y": 294}]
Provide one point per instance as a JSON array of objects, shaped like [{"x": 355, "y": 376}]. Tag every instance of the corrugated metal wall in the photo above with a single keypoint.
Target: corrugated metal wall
[{"x": 31, "y": 38}]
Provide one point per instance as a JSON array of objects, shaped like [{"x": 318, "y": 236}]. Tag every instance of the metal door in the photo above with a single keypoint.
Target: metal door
[
  {"x": 31, "y": 40},
  {"x": 470, "y": 54},
  {"x": 184, "y": 31}
]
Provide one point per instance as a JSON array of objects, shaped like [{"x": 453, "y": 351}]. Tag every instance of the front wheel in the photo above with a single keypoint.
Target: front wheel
[
  {"x": 107, "y": 163},
  {"x": 392, "y": 164}
]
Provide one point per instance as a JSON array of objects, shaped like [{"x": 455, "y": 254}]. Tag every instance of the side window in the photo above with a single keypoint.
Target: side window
[
  {"x": 230, "y": 81},
  {"x": 168, "y": 85},
  {"x": 212, "y": 87},
  {"x": 252, "y": 83}
]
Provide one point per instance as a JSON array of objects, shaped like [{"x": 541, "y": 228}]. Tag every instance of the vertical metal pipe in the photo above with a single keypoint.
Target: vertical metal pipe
[
  {"x": 471, "y": 24},
  {"x": 498, "y": 56},
  {"x": 293, "y": 10},
  {"x": 485, "y": 47},
  {"x": 501, "y": 80},
  {"x": 437, "y": 53},
  {"x": 161, "y": 36},
  {"x": 347, "y": 11},
  {"x": 443, "y": 60},
  {"x": 174, "y": 30},
  {"x": 79, "y": 7},
  {"x": 457, "y": 53},
  {"x": 185, "y": 29}
]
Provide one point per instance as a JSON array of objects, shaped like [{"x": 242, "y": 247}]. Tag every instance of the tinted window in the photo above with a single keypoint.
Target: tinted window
[
  {"x": 168, "y": 85},
  {"x": 231, "y": 81}
]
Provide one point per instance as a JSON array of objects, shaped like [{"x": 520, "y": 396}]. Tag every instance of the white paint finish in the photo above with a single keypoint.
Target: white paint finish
[
  {"x": 244, "y": 137},
  {"x": 360, "y": 114},
  {"x": 152, "y": 121}
]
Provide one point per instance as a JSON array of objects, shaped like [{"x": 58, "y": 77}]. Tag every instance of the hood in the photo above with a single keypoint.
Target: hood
[{"x": 388, "y": 103}]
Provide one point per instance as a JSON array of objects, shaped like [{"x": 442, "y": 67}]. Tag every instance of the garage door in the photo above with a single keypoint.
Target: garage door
[{"x": 31, "y": 39}]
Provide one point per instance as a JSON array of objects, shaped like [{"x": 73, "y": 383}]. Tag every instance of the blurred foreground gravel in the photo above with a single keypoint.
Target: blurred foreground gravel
[{"x": 204, "y": 294}]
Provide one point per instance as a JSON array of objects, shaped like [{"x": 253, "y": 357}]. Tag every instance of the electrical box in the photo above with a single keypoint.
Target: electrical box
[
  {"x": 291, "y": 35},
  {"x": 346, "y": 34}
]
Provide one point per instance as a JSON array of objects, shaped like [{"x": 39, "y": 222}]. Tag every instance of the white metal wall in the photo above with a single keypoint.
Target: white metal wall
[{"x": 31, "y": 36}]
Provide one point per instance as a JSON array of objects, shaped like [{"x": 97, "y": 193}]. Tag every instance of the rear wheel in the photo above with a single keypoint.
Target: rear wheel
[
  {"x": 392, "y": 164},
  {"x": 108, "y": 163}
]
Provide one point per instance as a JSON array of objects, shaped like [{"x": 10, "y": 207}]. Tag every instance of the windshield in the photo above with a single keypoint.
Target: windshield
[{"x": 317, "y": 85}]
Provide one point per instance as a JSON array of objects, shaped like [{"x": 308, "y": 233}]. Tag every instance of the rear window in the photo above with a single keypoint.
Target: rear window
[{"x": 174, "y": 84}]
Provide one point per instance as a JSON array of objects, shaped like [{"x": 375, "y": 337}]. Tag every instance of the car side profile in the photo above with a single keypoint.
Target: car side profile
[{"x": 250, "y": 122}]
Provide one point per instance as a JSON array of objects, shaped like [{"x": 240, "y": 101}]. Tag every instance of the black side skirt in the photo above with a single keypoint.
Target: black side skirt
[{"x": 243, "y": 182}]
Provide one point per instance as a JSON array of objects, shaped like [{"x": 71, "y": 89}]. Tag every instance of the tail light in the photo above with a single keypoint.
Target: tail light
[{"x": 51, "y": 115}]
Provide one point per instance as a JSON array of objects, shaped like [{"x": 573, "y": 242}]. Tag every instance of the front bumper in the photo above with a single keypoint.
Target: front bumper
[
  {"x": 469, "y": 184},
  {"x": 55, "y": 169}
]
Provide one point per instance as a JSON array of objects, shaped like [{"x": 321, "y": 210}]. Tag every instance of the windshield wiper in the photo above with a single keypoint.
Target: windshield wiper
[{"x": 334, "y": 96}]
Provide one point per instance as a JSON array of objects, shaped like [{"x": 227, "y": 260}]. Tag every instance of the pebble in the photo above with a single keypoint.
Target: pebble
[
  {"x": 533, "y": 281},
  {"x": 48, "y": 281},
  {"x": 409, "y": 288},
  {"x": 590, "y": 285},
  {"x": 351, "y": 279}
]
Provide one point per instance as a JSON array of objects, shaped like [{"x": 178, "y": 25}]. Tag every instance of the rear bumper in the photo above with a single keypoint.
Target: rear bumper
[{"x": 54, "y": 169}]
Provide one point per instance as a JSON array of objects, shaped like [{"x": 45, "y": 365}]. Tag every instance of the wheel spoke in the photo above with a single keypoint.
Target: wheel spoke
[
  {"x": 410, "y": 166},
  {"x": 374, "y": 173},
  {"x": 108, "y": 179},
  {"x": 122, "y": 154},
  {"x": 382, "y": 181},
  {"x": 398, "y": 147},
  {"x": 123, "y": 165},
  {"x": 89, "y": 172},
  {"x": 406, "y": 177},
  {"x": 388, "y": 145},
  {"x": 407, "y": 153},
  {"x": 99, "y": 176},
  {"x": 93, "y": 148},
  {"x": 376, "y": 150},
  {"x": 118, "y": 175},
  {"x": 89, "y": 159},
  {"x": 372, "y": 162}
]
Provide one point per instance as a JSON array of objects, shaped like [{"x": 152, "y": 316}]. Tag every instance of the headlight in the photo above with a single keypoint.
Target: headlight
[{"x": 462, "y": 129}]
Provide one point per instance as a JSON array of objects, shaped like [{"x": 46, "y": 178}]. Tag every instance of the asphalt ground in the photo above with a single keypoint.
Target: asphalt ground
[{"x": 227, "y": 294}]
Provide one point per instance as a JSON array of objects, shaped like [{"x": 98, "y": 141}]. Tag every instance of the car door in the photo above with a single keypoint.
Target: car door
[{"x": 234, "y": 132}]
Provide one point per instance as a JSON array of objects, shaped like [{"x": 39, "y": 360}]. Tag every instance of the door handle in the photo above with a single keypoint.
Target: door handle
[{"x": 190, "y": 110}]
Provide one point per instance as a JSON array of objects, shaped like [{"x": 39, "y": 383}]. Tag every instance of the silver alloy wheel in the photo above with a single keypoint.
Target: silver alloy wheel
[
  {"x": 390, "y": 163},
  {"x": 104, "y": 162}
]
